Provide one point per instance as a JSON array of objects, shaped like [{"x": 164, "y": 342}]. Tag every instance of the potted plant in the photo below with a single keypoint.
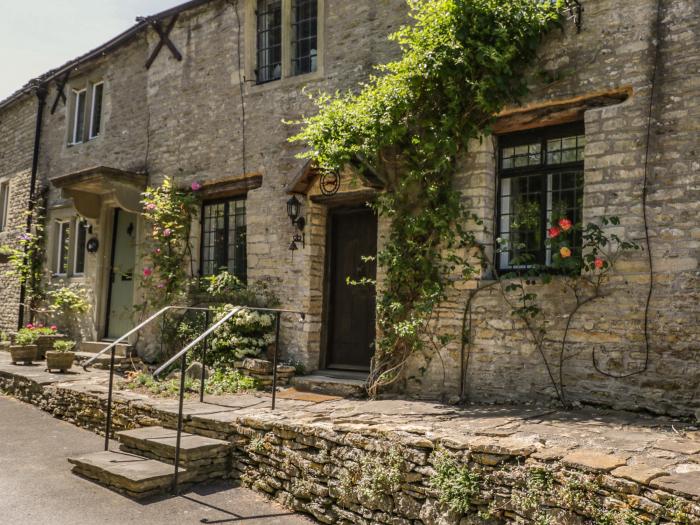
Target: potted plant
[
  {"x": 47, "y": 337},
  {"x": 61, "y": 357},
  {"x": 24, "y": 347}
]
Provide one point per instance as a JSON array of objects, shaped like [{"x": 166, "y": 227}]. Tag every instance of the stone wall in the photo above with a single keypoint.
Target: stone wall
[
  {"x": 17, "y": 124},
  {"x": 342, "y": 473},
  {"x": 614, "y": 49}
]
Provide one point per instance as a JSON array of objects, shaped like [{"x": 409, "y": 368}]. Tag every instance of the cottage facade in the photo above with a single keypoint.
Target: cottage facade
[{"x": 202, "y": 92}]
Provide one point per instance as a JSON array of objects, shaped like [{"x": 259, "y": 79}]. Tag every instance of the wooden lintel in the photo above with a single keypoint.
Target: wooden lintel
[
  {"x": 560, "y": 111},
  {"x": 232, "y": 186},
  {"x": 346, "y": 198}
]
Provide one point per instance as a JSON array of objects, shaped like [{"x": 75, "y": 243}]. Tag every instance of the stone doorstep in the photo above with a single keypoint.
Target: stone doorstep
[
  {"x": 161, "y": 443},
  {"x": 93, "y": 347},
  {"x": 332, "y": 386},
  {"x": 139, "y": 477},
  {"x": 104, "y": 360}
]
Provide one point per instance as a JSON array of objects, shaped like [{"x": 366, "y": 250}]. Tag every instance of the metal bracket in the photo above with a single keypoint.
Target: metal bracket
[
  {"x": 164, "y": 35},
  {"x": 60, "y": 95},
  {"x": 575, "y": 13}
]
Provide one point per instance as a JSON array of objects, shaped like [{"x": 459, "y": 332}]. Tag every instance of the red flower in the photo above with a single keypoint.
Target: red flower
[
  {"x": 599, "y": 263},
  {"x": 54, "y": 327},
  {"x": 30, "y": 325},
  {"x": 565, "y": 224},
  {"x": 553, "y": 232},
  {"x": 147, "y": 272},
  {"x": 196, "y": 186}
]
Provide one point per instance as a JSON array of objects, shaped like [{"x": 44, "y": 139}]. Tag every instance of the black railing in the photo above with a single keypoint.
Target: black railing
[{"x": 181, "y": 356}]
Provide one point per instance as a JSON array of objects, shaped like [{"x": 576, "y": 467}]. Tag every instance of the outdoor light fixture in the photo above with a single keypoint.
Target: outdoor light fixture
[{"x": 294, "y": 212}]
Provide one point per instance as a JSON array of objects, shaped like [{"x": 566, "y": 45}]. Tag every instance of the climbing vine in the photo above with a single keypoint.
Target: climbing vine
[{"x": 462, "y": 61}]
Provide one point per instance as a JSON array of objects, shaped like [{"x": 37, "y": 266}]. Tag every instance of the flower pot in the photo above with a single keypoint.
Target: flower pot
[
  {"x": 45, "y": 344},
  {"x": 62, "y": 361},
  {"x": 23, "y": 354}
]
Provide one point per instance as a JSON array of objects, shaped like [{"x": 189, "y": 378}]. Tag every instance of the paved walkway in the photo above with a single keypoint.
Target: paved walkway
[
  {"x": 645, "y": 448},
  {"x": 38, "y": 489}
]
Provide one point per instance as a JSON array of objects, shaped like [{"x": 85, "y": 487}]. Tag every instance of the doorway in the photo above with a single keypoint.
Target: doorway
[
  {"x": 120, "y": 299},
  {"x": 352, "y": 235}
]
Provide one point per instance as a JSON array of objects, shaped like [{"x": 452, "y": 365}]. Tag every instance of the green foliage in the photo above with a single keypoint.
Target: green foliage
[
  {"x": 225, "y": 287},
  {"x": 229, "y": 382},
  {"x": 62, "y": 345},
  {"x": 462, "y": 61},
  {"x": 374, "y": 475},
  {"x": 169, "y": 212},
  {"x": 247, "y": 333},
  {"x": 457, "y": 485},
  {"x": 27, "y": 336},
  {"x": 68, "y": 300}
]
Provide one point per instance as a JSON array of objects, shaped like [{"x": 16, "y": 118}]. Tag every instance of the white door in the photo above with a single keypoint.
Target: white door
[{"x": 120, "y": 309}]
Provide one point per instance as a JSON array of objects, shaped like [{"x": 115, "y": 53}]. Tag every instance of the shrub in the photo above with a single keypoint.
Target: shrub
[{"x": 63, "y": 346}]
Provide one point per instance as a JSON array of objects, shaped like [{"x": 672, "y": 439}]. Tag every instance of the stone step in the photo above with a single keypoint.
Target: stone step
[
  {"x": 93, "y": 347},
  {"x": 132, "y": 475},
  {"x": 204, "y": 458},
  {"x": 103, "y": 361},
  {"x": 332, "y": 384}
]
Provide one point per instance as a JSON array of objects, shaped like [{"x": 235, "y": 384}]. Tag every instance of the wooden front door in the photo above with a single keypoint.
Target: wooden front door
[{"x": 351, "y": 308}]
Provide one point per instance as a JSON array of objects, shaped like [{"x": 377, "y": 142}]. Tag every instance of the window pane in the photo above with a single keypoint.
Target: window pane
[
  {"x": 4, "y": 204},
  {"x": 63, "y": 247},
  {"x": 96, "y": 119},
  {"x": 566, "y": 149},
  {"x": 79, "y": 124},
  {"x": 224, "y": 238},
  {"x": 304, "y": 36},
  {"x": 269, "y": 40},
  {"x": 80, "y": 241},
  {"x": 521, "y": 156}
]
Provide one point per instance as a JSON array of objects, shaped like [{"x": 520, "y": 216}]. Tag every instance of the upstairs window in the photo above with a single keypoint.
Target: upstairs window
[
  {"x": 224, "y": 238},
  {"x": 269, "y": 64},
  {"x": 540, "y": 182},
  {"x": 85, "y": 111},
  {"x": 304, "y": 36},
  {"x": 4, "y": 204}
]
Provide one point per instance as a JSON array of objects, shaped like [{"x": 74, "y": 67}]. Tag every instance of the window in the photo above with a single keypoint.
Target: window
[
  {"x": 80, "y": 246},
  {"x": 286, "y": 36},
  {"x": 540, "y": 182},
  {"x": 4, "y": 204},
  {"x": 224, "y": 238},
  {"x": 269, "y": 65},
  {"x": 62, "y": 247},
  {"x": 85, "y": 122},
  {"x": 79, "y": 98},
  {"x": 304, "y": 36},
  {"x": 96, "y": 110}
]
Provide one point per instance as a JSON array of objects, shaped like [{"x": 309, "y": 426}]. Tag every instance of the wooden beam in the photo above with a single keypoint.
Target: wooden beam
[
  {"x": 560, "y": 111},
  {"x": 164, "y": 40},
  {"x": 60, "y": 95},
  {"x": 346, "y": 198}
]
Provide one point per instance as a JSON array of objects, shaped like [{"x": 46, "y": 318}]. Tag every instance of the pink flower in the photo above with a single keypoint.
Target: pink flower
[
  {"x": 40, "y": 325},
  {"x": 196, "y": 186},
  {"x": 599, "y": 263},
  {"x": 147, "y": 272},
  {"x": 167, "y": 232},
  {"x": 150, "y": 206},
  {"x": 565, "y": 224},
  {"x": 553, "y": 232},
  {"x": 161, "y": 285},
  {"x": 54, "y": 327},
  {"x": 157, "y": 250},
  {"x": 30, "y": 325}
]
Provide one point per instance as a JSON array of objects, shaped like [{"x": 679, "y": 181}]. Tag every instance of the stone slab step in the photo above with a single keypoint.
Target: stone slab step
[
  {"x": 93, "y": 347},
  {"x": 103, "y": 361},
  {"x": 136, "y": 476},
  {"x": 320, "y": 383},
  {"x": 160, "y": 442}
]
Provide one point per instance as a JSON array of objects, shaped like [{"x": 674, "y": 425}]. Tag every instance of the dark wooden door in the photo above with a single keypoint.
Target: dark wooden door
[{"x": 351, "y": 313}]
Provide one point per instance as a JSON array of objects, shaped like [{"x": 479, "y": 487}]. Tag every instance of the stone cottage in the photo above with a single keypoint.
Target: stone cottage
[{"x": 201, "y": 92}]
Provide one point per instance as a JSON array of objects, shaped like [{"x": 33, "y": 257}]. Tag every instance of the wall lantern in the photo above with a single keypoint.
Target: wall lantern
[{"x": 294, "y": 213}]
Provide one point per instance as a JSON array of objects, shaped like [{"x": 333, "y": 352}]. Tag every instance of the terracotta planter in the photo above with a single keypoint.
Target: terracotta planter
[
  {"x": 62, "y": 361},
  {"x": 45, "y": 344},
  {"x": 23, "y": 354}
]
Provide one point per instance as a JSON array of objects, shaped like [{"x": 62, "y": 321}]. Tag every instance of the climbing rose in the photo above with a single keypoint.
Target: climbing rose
[
  {"x": 54, "y": 327},
  {"x": 599, "y": 263},
  {"x": 553, "y": 232},
  {"x": 30, "y": 326},
  {"x": 150, "y": 206},
  {"x": 167, "y": 232},
  {"x": 196, "y": 186},
  {"x": 565, "y": 224},
  {"x": 147, "y": 272},
  {"x": 564, "y": 252}
]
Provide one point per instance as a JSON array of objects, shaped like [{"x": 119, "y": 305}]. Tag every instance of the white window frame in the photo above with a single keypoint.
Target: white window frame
[
  {"x": 74, "y": 131},
  {"x": 58, "y": 249},
  {"x": 92, "y": 109},
  {"x": 4, "y": 204}
]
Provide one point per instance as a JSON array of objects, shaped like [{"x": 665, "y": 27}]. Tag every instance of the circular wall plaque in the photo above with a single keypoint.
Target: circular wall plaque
[
  {"x": 93, "y": 245},
  {"x": 330, "y": 183}
]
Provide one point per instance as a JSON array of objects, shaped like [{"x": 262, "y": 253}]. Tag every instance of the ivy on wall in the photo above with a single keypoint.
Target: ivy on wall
[{"x": 462, "y": 61}]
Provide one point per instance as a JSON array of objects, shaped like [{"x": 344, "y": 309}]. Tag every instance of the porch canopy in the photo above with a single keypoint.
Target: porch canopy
[{"x": 92, "y": 187}]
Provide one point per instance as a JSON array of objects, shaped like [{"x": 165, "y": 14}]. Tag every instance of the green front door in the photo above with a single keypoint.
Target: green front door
[{"x": 121, "y": 287}]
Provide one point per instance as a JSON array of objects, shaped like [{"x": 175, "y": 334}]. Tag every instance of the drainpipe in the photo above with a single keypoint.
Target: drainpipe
[{"x": 41, "y": 93}]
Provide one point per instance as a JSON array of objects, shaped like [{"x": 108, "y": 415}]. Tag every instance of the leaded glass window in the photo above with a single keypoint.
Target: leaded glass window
[
  {"x": 540, "y": 182},
  {"x": 269, "y": 40},
  {"x": 224, "y": 238},
  {"x": 304, "y": 36}
]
